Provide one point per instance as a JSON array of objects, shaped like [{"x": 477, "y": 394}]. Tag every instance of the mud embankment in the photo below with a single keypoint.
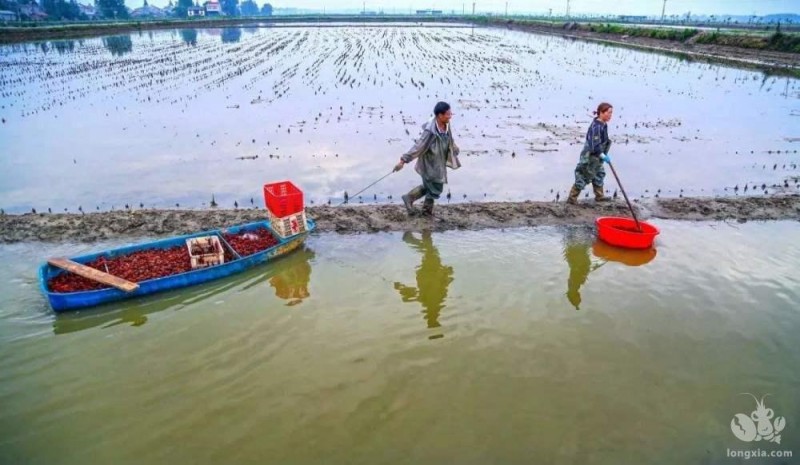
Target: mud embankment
[{"x": 376, "y": 218}]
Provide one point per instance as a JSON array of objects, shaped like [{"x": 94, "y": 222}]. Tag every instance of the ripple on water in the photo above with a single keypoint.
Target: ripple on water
[{"x": 517, "y": 341}]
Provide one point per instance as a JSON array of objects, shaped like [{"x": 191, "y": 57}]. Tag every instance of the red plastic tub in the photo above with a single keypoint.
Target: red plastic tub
[
  {"x": 283, "y": 198},
  {"x": 622, "y": 232}
]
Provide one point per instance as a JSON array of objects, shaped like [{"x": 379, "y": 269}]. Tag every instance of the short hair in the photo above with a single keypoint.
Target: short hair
[{"x": 441, "y": 108}]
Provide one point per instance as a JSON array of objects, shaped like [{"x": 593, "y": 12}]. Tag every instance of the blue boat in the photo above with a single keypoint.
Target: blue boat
[{"x": 74, "y": 300}]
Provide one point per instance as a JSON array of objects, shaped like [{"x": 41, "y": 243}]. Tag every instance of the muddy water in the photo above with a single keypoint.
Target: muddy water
[
  {"x": 471, "y": 347},
  {"x": 171, "y": 117}
]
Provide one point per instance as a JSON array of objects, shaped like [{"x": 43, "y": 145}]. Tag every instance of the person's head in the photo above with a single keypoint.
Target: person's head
[
  {"x": 604, "y": 112},
  {"x": 442, "y": 112}
]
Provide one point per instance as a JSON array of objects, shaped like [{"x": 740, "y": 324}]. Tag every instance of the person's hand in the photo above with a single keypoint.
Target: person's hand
[
  {"x": 606, "y": 158},
  {"x": 399, "y": 166}
]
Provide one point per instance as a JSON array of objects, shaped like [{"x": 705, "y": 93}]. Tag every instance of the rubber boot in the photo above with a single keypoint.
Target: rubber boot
[
  {"x": 599, "y": 195},
  {"x": 412, "y": 196},
  {"x": 427, "y": 207},
  {"x": 573, "y": 195}
]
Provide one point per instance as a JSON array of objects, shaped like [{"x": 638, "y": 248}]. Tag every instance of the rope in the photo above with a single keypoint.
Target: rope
[{"x": 362, "y": 190}]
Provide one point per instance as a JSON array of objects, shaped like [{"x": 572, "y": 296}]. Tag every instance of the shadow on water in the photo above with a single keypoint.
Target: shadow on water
[
  {"x": 433, "y": 280},
  {"x": 118, "y": 45},
  {"x": 576, "y": 254},
  {"x": 629, "y": 257},
  {"x": 577, "y": 243},
  {"x": 231, "y": 35},
  {"x": 290, "y": 276},
  {"x": 291, "y": 281},
  {"x": 63, "y": 46},
  {"x": 189, "y": 36}
]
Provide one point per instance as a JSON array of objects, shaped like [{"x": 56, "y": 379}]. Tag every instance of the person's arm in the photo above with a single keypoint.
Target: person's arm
[
  {"x": 607, "y": 143},
  {"x": 407, "y": 293},
  {"x": 420, "y": 146},
  {"x": 456, "y": 150},
  {"x": 595, "y": 139}
]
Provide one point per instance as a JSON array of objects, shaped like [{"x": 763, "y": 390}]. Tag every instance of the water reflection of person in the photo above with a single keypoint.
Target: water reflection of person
[
  {"x": 433, "y": 279},
  {"x": 291, "y": 281},
  {"x": 576, "y": 253}
]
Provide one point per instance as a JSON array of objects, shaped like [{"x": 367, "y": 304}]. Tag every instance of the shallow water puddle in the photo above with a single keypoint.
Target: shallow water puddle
[{"x": 498, "y": 346}]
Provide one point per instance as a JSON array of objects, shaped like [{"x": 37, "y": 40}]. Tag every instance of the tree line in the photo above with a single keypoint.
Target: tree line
[{"x": 69, "y": 10}]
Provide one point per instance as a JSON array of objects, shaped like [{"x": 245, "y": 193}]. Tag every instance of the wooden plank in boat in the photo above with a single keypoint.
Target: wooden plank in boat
[{"x": 93, "y": 274}]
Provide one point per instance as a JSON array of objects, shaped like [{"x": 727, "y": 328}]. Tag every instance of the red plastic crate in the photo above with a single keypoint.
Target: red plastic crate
[{"x": 283, "y": 198}]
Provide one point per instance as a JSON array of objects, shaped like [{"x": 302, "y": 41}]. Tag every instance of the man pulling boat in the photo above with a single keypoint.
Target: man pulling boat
[{"x": 435, "y": 151}]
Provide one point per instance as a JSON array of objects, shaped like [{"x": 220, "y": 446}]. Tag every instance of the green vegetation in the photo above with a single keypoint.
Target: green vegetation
[
  {"x": 777, "y": 41},
  {"x": 230, "y": 7},
  {"x": 112, "y": 8},
  {"x": 784, "y": 42},
  {"x": 60, "y": 9},
  {"x": 181, "y": 7},
  {"x": 680, "y": 35},
  {"x": 249, "y": 8}
]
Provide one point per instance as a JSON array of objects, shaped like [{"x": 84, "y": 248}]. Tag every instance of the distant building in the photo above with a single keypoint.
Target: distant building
[
  {"x": 429, "y": 12},
  {"x": 147, "y": 11},
  {"x": 213, "y": 8},
  {"x": 196, "y": 11},
  {"x": 629, "y": 19},
  {"x": 32, "y": 12},
  {"x": 6, "y": 15},
  {"x": 88, "y": 10}
]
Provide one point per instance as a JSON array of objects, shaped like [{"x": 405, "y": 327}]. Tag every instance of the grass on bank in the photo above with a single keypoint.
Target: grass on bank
[
  {"x": 674, "y": 34},
  {"x": 776, "y": 41}
]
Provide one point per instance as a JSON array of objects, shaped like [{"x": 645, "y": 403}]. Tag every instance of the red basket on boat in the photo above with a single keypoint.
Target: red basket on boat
[
  {"x": 622, "y": 232},
  {"x": 283, "y": 198}
]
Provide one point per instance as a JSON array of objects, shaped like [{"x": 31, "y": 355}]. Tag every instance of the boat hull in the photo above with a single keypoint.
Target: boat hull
[{"x": 61, "y": 302}]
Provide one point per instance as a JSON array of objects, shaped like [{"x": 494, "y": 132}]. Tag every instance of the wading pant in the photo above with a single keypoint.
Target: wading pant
[
  {"x": 430, "y": 189},
  {"x": 589, "y": 170}
]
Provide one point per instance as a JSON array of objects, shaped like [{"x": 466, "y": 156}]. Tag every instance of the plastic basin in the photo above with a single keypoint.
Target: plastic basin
[{"x": 622, "y": 232}]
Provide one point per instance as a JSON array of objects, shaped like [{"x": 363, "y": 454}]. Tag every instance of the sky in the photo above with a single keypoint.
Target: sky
[{"x": 613, "y": 7}]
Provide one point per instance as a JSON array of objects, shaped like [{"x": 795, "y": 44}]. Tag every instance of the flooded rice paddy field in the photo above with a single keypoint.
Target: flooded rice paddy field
[
  {"x": 520, "y": 346},
  {"x": 170, "y": 118},
  {"x": 495, "y": 346}
]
